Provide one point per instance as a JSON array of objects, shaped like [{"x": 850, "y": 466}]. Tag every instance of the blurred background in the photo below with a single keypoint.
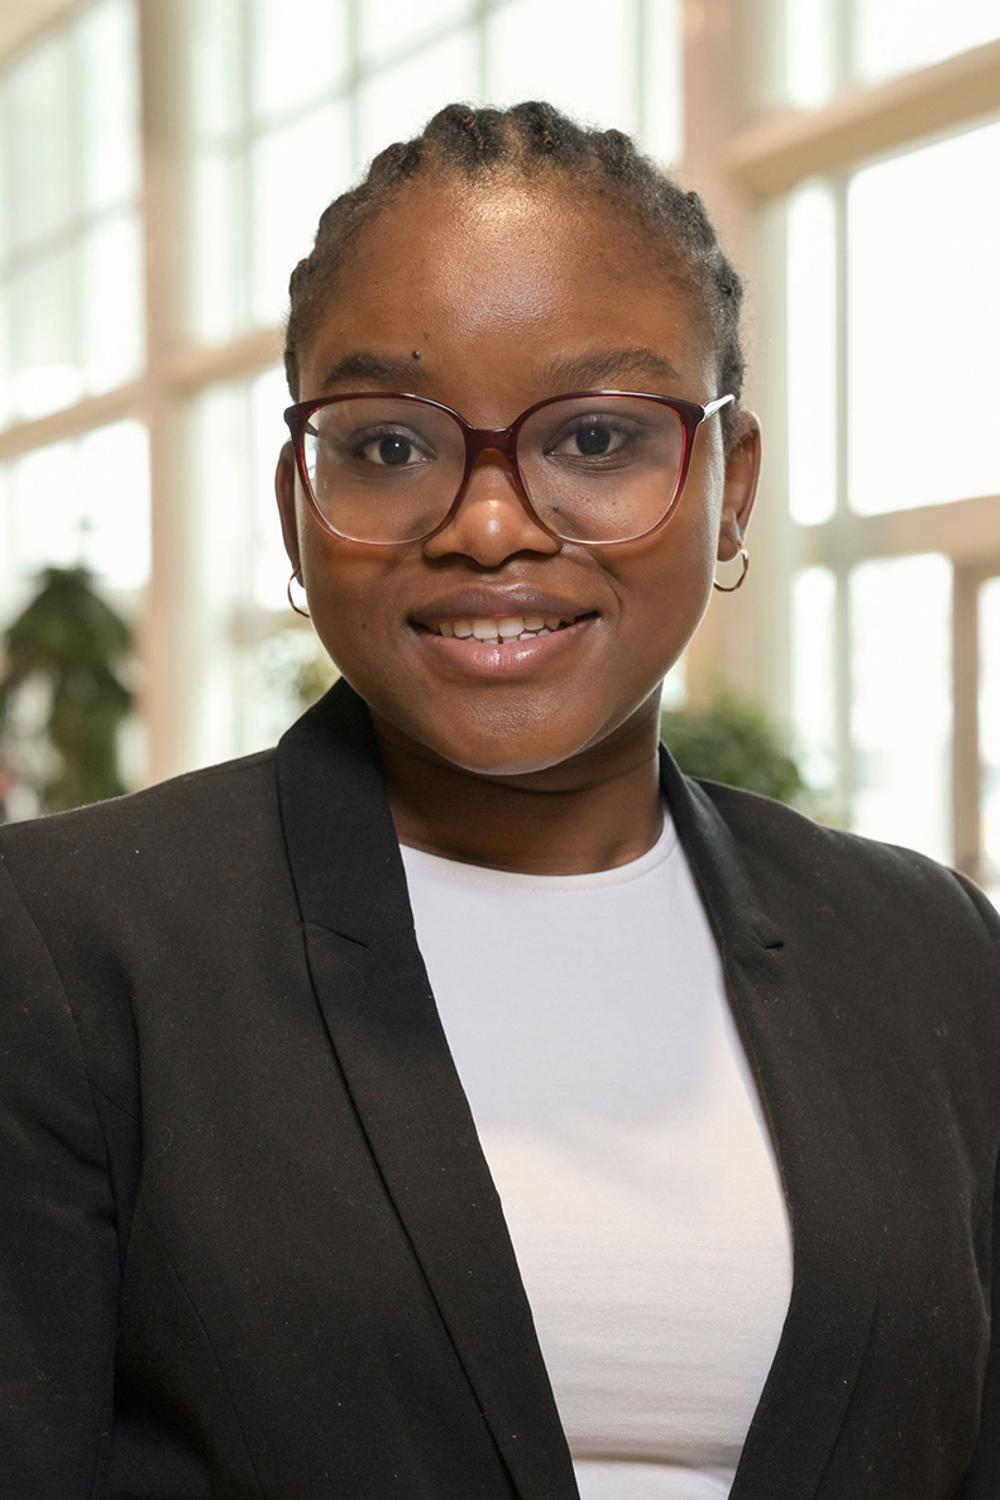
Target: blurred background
[{"x": 162, "y": 167}]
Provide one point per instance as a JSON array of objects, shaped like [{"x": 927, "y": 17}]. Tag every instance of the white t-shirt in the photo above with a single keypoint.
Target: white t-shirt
[{"x": 589, "y": 1023}]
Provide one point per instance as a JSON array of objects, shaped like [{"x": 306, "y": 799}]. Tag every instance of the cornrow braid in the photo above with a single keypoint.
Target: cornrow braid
[{"x": 532, "y": 138}]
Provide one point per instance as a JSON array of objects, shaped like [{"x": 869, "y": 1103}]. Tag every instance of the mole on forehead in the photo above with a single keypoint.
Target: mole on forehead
[{"x": 596, "y": 364}]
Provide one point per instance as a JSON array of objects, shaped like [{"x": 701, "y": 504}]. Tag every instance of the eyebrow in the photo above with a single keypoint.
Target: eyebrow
[
  {"x": 607, "y": 364},
  {"x": 578, "y": 370},
  {"x": 363, "y": 365}
]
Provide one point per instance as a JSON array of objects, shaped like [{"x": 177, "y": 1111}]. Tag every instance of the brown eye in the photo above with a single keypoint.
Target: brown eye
[
  {"x": 388, "y": 449},
  {"x": 593, "y": 439},
  {"x": 393, "y": 450}
]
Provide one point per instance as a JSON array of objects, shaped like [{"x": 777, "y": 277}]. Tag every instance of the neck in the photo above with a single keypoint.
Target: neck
[{"x": 599, "y": 811}]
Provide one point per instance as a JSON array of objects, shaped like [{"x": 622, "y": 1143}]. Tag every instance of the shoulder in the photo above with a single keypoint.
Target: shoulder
[
  {"x": 865, "y": 881},
  {"x": 136, "y": 900},
  {"x": 178, "y": 804},
  {"x": 166, "y": 838}
]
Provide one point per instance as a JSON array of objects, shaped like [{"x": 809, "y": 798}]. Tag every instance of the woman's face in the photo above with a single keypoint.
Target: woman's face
[{"x": 492, "y": 284}]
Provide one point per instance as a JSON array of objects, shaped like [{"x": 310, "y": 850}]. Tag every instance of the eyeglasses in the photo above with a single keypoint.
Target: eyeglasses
[{"x": 593, "y": 467}]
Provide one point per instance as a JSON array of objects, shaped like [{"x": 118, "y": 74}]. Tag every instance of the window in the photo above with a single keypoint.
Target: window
[
  {"x": 271, "y": 146},
  {"x": 893, "y": 36},
  {"x": 71, "y": 308},
  {"x": 828, "y": 44},
  {"x": 812, "y": 353},
  {"x": 900, "y": 694},
  {"x": 893, "y": 481},
  {"x": 291, "y": 102},
  {"x": 923, "y": 233},
  {"x": 814, "y": 598}
]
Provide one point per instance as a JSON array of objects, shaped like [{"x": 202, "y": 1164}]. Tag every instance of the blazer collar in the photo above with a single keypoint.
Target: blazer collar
[{"x": 380, "y": 1014}]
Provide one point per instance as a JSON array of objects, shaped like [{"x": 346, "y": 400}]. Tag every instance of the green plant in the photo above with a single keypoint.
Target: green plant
[
  {"x": 63, "y": 651},
  {"x": 735, "y": 740},
  {"x": 293, "y": 670}
]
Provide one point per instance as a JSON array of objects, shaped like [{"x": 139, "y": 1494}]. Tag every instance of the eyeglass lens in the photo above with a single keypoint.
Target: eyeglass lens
[{"x": 386, "y": 469}]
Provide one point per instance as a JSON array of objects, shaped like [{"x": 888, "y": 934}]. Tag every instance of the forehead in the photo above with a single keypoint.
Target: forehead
[{"x": 494, "y": 281}]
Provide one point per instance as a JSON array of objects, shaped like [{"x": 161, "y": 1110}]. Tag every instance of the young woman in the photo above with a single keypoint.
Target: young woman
[{"x": 457, "y": 1100}]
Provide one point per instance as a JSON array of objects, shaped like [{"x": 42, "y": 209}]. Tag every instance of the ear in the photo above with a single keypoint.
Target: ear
[
  {"x": 740, "y": 487},
  {"x": 284, "y": 489}
]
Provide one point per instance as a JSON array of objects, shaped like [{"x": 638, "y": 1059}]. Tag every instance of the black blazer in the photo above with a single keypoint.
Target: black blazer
[{"x": 250, "y": 1244}]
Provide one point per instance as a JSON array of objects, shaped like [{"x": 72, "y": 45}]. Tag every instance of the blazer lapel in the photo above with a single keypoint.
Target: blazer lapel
[
  {"x": 833, "y": 1211},
  {"x": 381, "y": 1017}
]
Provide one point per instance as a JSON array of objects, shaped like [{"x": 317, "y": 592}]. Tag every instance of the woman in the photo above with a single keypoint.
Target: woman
[{"x": 429, "y": 1106}]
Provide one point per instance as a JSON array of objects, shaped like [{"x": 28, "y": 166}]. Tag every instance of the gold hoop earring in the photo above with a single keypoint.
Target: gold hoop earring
[
  {"x": 288, "y": 590},
  {"x": 732, "y": 587}
]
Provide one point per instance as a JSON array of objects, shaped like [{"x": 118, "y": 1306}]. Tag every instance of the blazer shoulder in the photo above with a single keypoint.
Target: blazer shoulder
[
  {"x": 198, "y": 843},
  {"x": 193, "y": 806},
  {"x": 129, "y": 897},
  {"x": 849, "y": 868}
]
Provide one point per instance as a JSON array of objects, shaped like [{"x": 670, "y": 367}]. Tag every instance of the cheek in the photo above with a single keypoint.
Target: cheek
[
  {"x": 345, "y": 584},
  {"x": 667, "y": 584}
]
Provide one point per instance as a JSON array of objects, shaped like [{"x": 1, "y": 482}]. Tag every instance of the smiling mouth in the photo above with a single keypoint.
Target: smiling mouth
[{"x": 503, "y": 630}]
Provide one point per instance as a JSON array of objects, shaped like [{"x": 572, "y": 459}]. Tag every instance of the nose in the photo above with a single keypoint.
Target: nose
[{"x": 492, "y": 521}]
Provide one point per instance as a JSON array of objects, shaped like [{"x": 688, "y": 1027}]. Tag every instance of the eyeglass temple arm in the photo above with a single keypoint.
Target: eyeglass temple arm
[{"x": 713, "y": 406}]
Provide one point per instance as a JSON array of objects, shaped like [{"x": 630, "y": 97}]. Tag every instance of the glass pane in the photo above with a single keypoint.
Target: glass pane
[
  {"x": 46, "y": 516},
  {"x": 6, "y": 208},
  {"x": 112, "y": 478},
  {"x": 893, "y": 36},
  {"x": 224, "y": 482},
  {"x": 387, "y": 27},
  {"x": 924, "y": 244},
  {"x": 814, "y": 598},
  {"x": 294, "y": 174},
  {"x": 268, "y": 399},
  {"x": 43, "y": 307},
  {"x": 216, "y": 52},
  {"x": 900, "y": 667},
  {"x": 299, "y": 52},
  {"x": 812, "y": 355},
  {"x": 989, "y": 733},
  {"x": 570, "y": 55},
  {"x": 397, "y": 104},
  {"x": 220, "y": 250},
  {"x": 109, "y": 126},
  {"x": 85, "y": 501},
  {"x": 6, "y": 392},
  {"x": 810, "y": 51},
  {"x": 112, "y": 310},
  {"x": 41, "y": 134},
  {"x": 663, "y": 127}
]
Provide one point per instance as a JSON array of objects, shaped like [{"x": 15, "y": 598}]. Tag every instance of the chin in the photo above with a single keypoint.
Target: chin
[
  {"x": 505, "y": 753},
  {"x": 490, "y": 741}
]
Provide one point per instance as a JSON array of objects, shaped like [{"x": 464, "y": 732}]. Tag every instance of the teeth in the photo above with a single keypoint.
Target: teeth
[{"x": 504, "y": 628}]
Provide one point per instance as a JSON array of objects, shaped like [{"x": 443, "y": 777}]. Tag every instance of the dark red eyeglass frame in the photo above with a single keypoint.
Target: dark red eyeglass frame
[{"x": 501, "y": 440}]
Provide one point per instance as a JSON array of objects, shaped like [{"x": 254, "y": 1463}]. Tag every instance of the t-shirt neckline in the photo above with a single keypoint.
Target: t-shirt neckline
[{"x": 419, "y": 862}]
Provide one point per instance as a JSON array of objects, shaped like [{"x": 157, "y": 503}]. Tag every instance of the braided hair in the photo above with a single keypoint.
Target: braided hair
[{"x": 532, "y": 138}]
